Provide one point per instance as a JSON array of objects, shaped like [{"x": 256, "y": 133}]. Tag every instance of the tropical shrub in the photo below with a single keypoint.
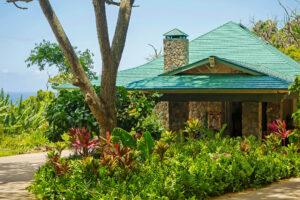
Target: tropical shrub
[
  {"x": 194, "y": 169},
  {"x": 23, "y": 123},
  {"x": 25, "y": 115},
  {"x": 81, "y": 141},
  {"x": 278, "y": 127},
  {"x": 151, "y": 124},
  {"x": 118, "y": 154},
  {"x": 69, "y": 110}
]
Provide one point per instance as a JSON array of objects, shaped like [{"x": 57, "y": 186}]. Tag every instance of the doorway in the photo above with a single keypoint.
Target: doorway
[
  {"x": 236, "y": 119},
  {"x": 264, "y": 121}
]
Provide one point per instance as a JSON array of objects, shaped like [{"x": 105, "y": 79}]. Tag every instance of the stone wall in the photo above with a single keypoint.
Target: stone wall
[
  {"x": 210, "y": 114},
  {"x": 198, "y": 110},
  {"x": 252, "y": 119},
  {"x": 176, "y": 53},
  {"x": 162, "y": 111},
  {"x": 178, "y": 115}
]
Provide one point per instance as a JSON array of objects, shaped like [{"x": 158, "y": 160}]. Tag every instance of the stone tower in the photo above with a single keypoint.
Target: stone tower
[{"x": 176, "y": 49}]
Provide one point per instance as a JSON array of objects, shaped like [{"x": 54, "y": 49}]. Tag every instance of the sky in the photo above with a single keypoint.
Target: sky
[{"x": 22, "y": 29}]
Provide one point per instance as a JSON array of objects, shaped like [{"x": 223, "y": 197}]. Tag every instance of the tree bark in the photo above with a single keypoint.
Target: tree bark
[
  {"x": 111, "y": 56},
  {"x": 96, "y": 105},
  {"x": 103, "y": 106}
]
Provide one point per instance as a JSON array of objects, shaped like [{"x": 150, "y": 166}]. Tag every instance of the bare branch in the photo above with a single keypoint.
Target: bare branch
[
  {"x": 15, "y": 3},
  {"x": 288, "y": 23},
  {"x": 156, "y": 54},
  {"x": 102, "y": 29},
  {"x": 119, "y": 39},
  {"x": 112, "y": 2}
]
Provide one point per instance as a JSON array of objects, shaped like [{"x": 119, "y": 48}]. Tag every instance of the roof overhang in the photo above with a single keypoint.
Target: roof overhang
[{"x": 229, "y": 97}]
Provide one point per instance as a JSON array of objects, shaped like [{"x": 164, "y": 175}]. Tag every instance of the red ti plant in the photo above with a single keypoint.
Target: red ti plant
[
  {"x": 60, "y": 166},
  {"x": 279, "y": 128},
  {"x": 115, "y": 154},
  {"x": 81, "y": 141}
]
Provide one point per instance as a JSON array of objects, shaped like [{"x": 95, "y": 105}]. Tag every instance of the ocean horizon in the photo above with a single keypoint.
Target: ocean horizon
[{"x": 15, "y": 96}]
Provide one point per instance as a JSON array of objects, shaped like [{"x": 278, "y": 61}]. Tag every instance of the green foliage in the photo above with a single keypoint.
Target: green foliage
[
  {"x": 133, "y": 107},
  {"x": 27, "y": 115},
  {"x": 195, "y": 129},
  {"x": 22, "y": 143},
  {"x": 196, "y": 169},
  {"x": 146, "y": 145},
  {"x": 47, "y": 55},
  {"x": 152, "y": 124},
  {"x": 286, "y": 38},
  {"x": 69, "y": 110},
  {"x": 22, "y": 125},
  {"x": 121, "y": 136}
]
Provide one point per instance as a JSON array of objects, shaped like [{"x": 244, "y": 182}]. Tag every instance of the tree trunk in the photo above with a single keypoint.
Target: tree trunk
[
  {"x": 103, "y": 106},
  {"x": 81, "y": 80},
  {"x": 111, "y": 56}
]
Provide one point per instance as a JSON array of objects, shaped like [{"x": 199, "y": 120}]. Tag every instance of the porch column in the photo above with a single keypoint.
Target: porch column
[
  {"x": 252, "y": 119},
  {"x": 178, "y": 115},
  {"x": 273, "y": 112}
]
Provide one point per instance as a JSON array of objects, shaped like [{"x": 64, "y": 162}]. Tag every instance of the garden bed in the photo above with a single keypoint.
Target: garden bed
[{"x": 177, "y": 169}]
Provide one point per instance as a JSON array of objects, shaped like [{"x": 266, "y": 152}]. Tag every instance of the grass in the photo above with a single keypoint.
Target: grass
[{"x": 22, "y": 143}]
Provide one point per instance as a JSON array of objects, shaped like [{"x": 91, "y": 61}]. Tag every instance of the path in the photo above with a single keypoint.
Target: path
[
  {"x": 282, "y": 190},
  {"x": 16, "y": 172}
]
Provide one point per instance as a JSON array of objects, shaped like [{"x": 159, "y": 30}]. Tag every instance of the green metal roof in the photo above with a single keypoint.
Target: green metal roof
[
  {"x": 225, "y": 81},
  {"x": 230, "y": 42},
  {"x": 175, "y": 32}
]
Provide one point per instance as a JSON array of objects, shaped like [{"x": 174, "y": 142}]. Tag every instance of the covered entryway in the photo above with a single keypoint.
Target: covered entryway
[{"x": 244, "y": 113}]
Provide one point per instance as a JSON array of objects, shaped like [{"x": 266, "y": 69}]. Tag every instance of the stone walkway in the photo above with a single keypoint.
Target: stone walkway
[
  {"x": 16, "y": 172},
  {"x": 283, "y": 190}
]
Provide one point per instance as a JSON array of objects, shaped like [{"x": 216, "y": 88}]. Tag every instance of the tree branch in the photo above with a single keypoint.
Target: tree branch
[
  {"x": 95, "y": 103},
  {"x": 102, "y": 30},
  {"x": 119, "y": 39},
  {"x": 111, "y": 2},
  {"x": 15, "y": 3},
  {"x": 288, "y": 23}
]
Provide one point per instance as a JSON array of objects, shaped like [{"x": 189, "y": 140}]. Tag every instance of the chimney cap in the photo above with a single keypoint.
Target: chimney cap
[{"x": 175, "y": 33}]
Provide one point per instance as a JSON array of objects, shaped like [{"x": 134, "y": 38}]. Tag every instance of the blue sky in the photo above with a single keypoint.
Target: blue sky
[{"x": 21, "y": 29}]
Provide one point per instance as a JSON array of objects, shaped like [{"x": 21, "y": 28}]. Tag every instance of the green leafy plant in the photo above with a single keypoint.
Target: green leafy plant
[
  {"x": 117, "y": 154},
  {"x": 146, "y": 145},
  {"x": 23, "y": 123},
  {"x": 161, "y": 148},
  {"x": 48, "y": 55},
  {"x": 69, "y": 110},
  {"x": 152, "y": 124},
  {"x": 195, "y": 169},
  {"x": 124, "y": 138}
]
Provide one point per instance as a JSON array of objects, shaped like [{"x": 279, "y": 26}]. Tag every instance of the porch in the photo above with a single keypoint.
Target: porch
[{"x": 244, "y": 113}]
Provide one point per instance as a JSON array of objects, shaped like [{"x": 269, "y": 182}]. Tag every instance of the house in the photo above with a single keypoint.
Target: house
[{"x": 228, "y": 75}]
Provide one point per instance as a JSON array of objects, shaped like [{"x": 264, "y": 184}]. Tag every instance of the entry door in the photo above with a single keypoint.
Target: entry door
[{"x": 236, "y": 119}]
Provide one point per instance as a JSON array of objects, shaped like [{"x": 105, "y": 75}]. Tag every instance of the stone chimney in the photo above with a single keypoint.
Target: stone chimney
[{"x": 176, "y": 50}]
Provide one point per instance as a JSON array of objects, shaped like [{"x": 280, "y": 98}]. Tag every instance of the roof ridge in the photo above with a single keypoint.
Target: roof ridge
[
  {"x": 212, "y": 30},
  {"x": 271, "y": 49}
]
